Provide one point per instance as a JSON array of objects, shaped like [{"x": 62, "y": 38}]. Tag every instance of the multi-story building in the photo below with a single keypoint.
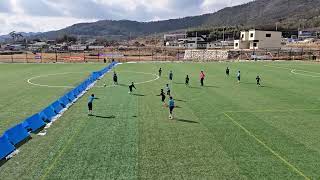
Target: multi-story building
[{"x": 255, "y": 39}]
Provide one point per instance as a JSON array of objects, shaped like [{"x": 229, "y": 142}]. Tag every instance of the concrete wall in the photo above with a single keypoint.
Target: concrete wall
[{"x": 206, "y": 55}]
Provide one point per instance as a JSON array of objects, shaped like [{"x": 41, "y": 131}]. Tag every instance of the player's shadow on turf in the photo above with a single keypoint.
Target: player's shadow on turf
[
  {"x": 186, "y": 121},
  {"x": 210, "y": 86},
  {"x": 178, "y": 83},
  {"x": 141, "y": 95},
  {"x": 104, "y": 117},
  {"x": 194, "y": 87},
  {"x": 263, "y": 86},
  {"x": 123, "y": 85},
  {"x": 179, "y": 100}
]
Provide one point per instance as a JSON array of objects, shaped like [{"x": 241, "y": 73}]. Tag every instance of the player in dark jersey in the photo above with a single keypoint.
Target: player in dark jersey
[
  {"x": 131, "y": 88},
  {"x": 187, "y": 80},
  {"x": 115, "y": 78},
  {"x": 258, "y": 80},
  {"x": 227, "y": 71},
  {"x": 238, "y": 76},
  {"x": 160, "y": 72},
  {"x": 168, "y": 90},
  {"x": 171, "y": 76},
  {"x": 163, "y": 97}
]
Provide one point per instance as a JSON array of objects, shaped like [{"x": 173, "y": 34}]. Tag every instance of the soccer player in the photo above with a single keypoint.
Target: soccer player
[
  {"x": 160, "y": 72},
  {"x": 227, "y": 71},
  {"x": 258, "y": 80},
  {"x": 168, "y": 90},
  {"x": 163, "y": 97},
  {"x": 131, "y": 88},
  {"x": 90, "y": 106},
  {"x": 171, "y": 76},
  {"x": 238, "y": 76},
  {"x": 202, "y": 76},
  {"x": 171, "y": 107},
  {"x": 115, "y": 78},
  {"x": 187, "y": 80}
]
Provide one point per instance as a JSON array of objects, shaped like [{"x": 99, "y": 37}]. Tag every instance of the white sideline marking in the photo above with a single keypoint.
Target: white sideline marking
[
  {"x": 267, "y": 147},
  {"x": 293, "y": 71}
]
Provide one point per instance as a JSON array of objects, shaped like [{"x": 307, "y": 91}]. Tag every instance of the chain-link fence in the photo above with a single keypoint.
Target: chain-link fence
[{"x": 159, "y": 54}]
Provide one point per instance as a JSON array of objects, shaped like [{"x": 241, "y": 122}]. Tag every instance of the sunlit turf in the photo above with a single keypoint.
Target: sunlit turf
[{"x": 224, "y": 130}]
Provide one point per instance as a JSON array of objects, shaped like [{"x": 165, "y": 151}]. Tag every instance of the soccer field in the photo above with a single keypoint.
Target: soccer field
[{"x": 224, "y": 130}]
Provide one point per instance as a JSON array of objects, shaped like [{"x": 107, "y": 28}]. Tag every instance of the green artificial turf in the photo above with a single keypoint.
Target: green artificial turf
[{"x": 224, "y": 130}]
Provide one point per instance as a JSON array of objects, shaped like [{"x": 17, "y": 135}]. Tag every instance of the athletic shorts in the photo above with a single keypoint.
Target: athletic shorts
[
  {"x": 171, "y": 109},
  {"x": 168, "y": 92},
  {"x": 238, "y": 78},
  {"x": 163, "y": 98},
  {"x": 90, "y": 106}
]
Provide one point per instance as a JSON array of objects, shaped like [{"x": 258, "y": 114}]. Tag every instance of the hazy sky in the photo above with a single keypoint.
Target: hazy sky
[{"x": 44, "y": 15}]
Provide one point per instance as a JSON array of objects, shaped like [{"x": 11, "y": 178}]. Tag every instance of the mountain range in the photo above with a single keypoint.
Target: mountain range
[{"x": 265, "y": 14}]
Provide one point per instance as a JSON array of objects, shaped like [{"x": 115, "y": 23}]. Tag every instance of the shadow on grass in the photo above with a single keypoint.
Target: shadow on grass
[
  {"x": 39, "y": 130},
  {"x": 179, "y": 83},
  {"x": 210, "y": 86},
  {"x": 194, "y": 87},
  {"x": 104, "y": 117},
  {"x": 3, "y": 161},
  {"x": 179, "y": 107},
  {"x": 249, "y": 83},
  {"x": 123, "y": 85},
  {"x": 141, "y": 95},
  {"x": 179, "y": 100},
  {"x": 23, "y": 142},
  {"x": 186, "y": 121}
]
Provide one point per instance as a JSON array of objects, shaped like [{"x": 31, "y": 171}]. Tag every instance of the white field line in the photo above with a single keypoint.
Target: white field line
[
  {"x": 47, "y": 75},
  {"x": 293, "y": 71},
  {"x": 272, "y": 110},
  {"x": 49, "y": 86},
  {"x": 144, "y": 82},
  {"x": 295, "y": 169}
]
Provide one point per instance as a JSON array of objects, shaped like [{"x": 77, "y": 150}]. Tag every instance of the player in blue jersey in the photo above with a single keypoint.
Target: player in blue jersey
[
  {"x": 90, "y": 104},
  {"x": 171, "y": 107}
]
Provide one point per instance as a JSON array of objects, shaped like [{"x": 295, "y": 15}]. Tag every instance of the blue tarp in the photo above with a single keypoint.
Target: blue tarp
[
  {"x": 57, "y": 107},
  {"x": 16, "y": 134},
  {"x": 47, "y": 114},
  {"x": 5, "y": 147},
  {"x": 64, "y": 101},
  {"x": 71, "y": 96},
  {"x": 19, "y": 133},
  {"x": 35, "y": 122}
]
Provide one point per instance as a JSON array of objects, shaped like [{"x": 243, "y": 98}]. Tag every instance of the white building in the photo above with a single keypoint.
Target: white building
[
  {"x": 95, "y": 47},
  {"x": 199, "y": 42},
  {"x": 77, "y": 48},
  {"x": 255, "y": 39}
]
